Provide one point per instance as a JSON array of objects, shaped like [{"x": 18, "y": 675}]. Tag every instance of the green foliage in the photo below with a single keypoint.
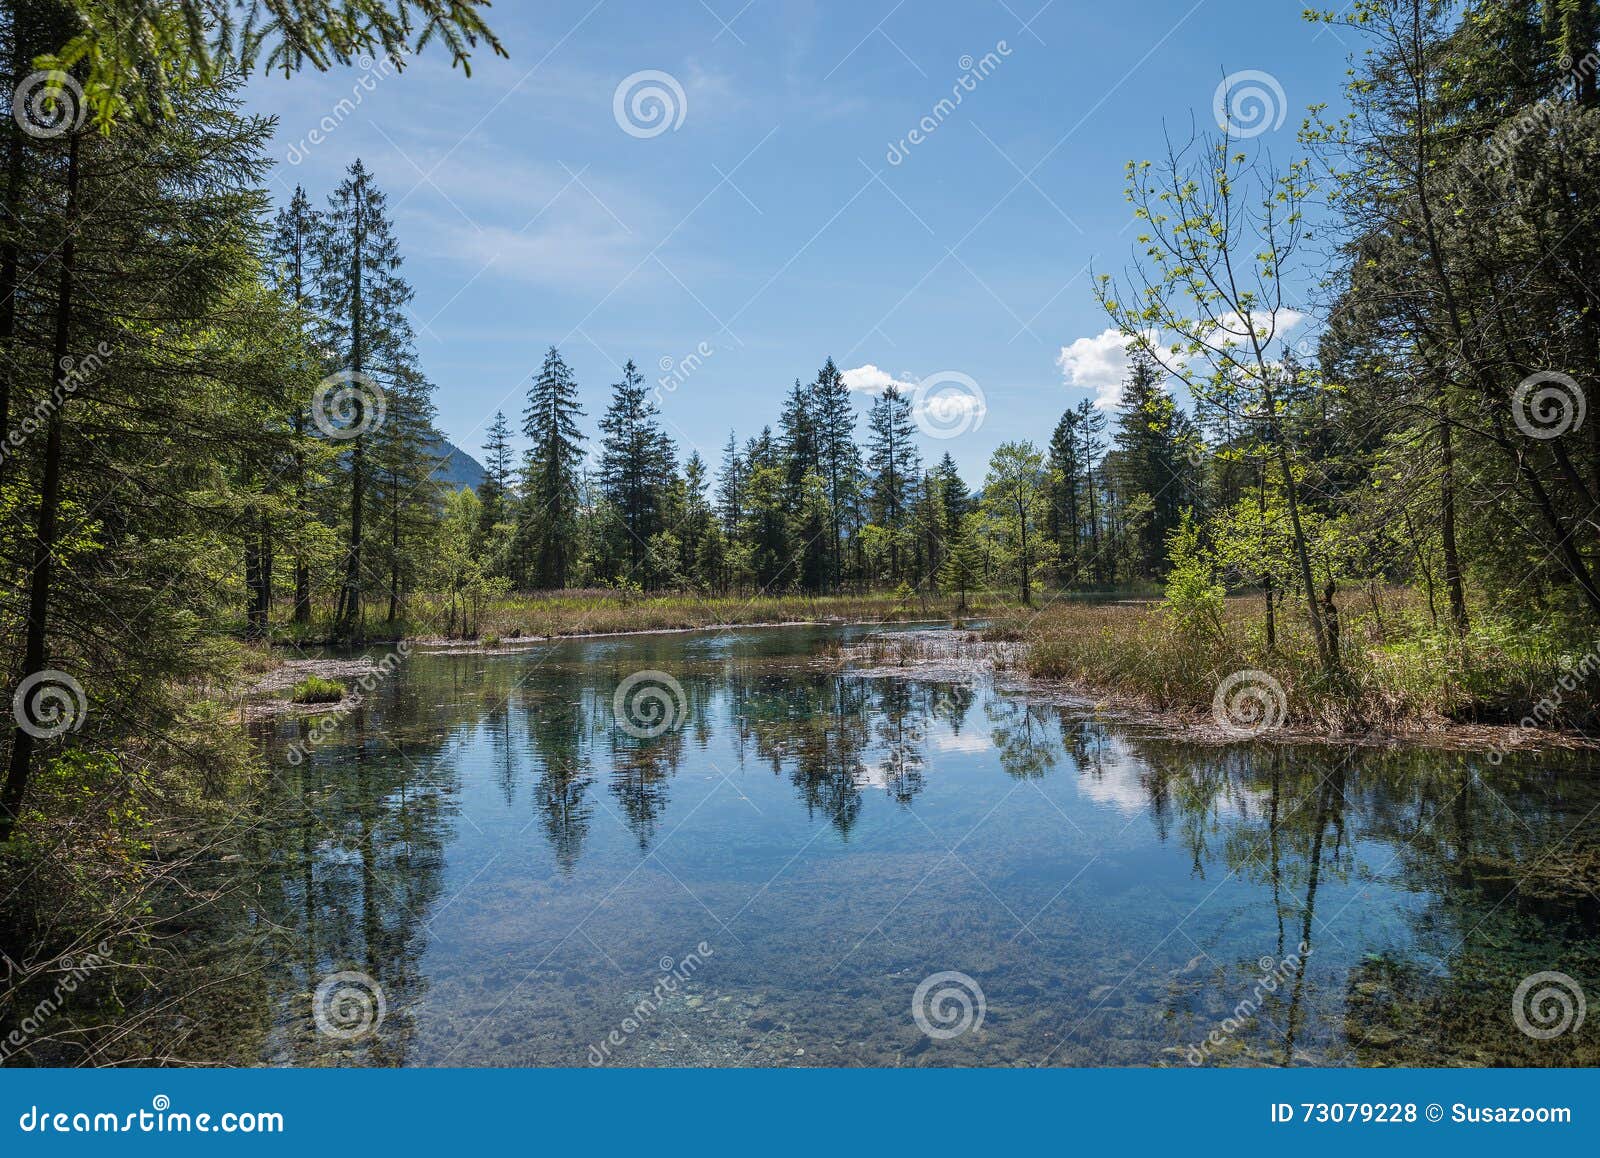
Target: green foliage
[
  {"x": 317, "y": 690},
  {"x": 140, "y": 56},
  {"x": 1193, "y": 595}
]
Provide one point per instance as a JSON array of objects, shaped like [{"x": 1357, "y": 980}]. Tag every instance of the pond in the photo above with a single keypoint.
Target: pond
[{"x": 776, "y": 861}]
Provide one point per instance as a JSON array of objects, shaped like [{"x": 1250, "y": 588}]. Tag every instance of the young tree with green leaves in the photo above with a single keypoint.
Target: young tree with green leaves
[{"x": 1015, "y": 499}]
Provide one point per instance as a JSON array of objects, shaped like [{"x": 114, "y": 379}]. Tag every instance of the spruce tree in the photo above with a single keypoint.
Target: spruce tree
[
  {"x": 363, "y": 299},
  {"x": 550, "y": 471},
  {"x": 637, "y": 465},
  {"x": 893, "y": 465},
  {"x": 296, "y": 239}
]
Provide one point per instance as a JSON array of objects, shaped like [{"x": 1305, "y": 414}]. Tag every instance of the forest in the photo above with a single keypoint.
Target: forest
[{"x": 219, "y": 439}]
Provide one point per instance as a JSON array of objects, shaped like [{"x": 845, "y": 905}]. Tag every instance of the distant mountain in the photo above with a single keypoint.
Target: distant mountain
[{"x": 459, "y": 469}]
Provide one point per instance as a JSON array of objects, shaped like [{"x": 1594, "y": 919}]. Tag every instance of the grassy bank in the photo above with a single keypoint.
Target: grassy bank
[
  {"x": 599, "y": 612},
  {"x": 1397, "y": 670}
]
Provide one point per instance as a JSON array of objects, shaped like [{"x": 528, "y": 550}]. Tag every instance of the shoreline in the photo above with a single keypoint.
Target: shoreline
[
  {"x": 960, "y": 660},
  {"x": 1189, "y": 725}
]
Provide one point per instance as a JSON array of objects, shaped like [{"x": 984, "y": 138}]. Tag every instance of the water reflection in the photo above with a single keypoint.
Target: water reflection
[{"x": 510, "y": 866}]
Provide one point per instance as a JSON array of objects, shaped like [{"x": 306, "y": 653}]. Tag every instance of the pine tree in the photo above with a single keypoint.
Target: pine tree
[
  {"x": 1152, "y": 461},
  {"x": 297, "y": 237},
  {"x": 963, "y": 567},
  {"x": 550, "y": 472},
  {"x": 363, "y": 299},
  {"x": 1066, "y": 486},
  {"x": 1091, "y": 426},
  {"x": 637, "y": 465},
  {"x": 494, "y": 493},
  {"x": 405, "y": 482},
  {"x": 838, "y": 458},
  {"x": 893, "y": 465}
]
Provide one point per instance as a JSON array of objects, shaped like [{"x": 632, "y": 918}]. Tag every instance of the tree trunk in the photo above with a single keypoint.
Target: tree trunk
[
  {"x": 349, "y": 617},
  {"x": 9, "y": 256},
  {"x": 1447, "y": 523},
  {"x": 33, "y": 661}
]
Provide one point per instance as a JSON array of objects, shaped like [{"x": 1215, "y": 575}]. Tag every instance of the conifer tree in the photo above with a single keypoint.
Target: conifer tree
[
  {"x": 363, "y": 299},
  {"x": 550, "y": 471},
  {"x": 893, "y": 465},
  {"x": 637, "y": 465}
]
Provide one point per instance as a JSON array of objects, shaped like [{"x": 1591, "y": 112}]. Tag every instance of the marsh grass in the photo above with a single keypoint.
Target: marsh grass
[
  {"x": 1397, "y": 668},
  {"x": 526, "y": 615},
  {"x": 315, "y": 689}
]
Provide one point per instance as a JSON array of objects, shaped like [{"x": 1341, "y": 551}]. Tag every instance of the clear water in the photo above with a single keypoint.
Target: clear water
[{"x": 774, "y": 879}]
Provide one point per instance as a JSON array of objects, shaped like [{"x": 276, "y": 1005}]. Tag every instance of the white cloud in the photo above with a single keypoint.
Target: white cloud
[
  {"x": 1099, "y": 364},
  {"x": 870, "y": 380},
  {"x": 946, "y": 406},
  {"x": 1232, "y": 327}
]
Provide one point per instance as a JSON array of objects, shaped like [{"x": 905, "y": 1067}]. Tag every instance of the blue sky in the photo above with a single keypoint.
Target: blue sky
[{"x": 764, "y": 219}]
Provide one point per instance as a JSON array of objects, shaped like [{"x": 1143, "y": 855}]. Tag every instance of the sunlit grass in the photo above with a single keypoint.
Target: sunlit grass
[{"x": 1396, "y": 666}]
